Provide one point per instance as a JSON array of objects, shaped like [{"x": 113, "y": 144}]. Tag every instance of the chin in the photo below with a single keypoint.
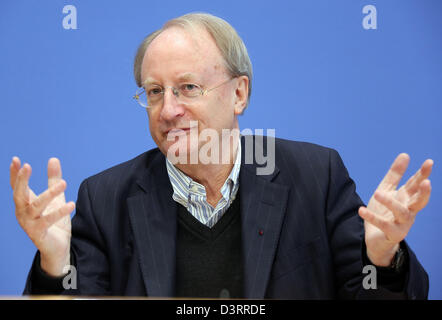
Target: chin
[{"x": 180, "y": 151}]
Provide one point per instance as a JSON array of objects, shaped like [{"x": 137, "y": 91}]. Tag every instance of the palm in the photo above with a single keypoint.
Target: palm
[
  {"x": 55, "y": 238},
  {"x": 45, "y": 218},
  {"x": 375, "y": 235},
  {"x": 391, "y": 212}
]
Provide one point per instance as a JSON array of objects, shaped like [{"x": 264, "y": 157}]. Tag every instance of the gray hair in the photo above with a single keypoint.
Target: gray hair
[{"x": 233, "y": 50}]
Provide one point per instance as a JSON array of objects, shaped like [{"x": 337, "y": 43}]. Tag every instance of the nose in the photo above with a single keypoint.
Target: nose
[{"x": 171, "y": 106}]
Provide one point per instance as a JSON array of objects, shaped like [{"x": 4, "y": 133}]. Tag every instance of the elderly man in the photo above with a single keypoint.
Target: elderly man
[{"x": 170, "y": 223}]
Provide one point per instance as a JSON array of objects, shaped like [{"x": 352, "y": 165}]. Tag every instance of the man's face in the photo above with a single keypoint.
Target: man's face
[{"x": 177, "y": 57}]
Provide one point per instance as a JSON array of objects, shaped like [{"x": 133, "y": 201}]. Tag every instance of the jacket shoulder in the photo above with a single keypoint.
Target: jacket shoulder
[
  {"x": 301, "y": 150},
  {"x": 127, "y": 171}
]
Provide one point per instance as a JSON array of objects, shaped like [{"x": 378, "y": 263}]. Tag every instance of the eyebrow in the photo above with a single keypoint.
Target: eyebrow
[
  {"x": 188, "y": 76},
  {"x": 148, "y": 81}
]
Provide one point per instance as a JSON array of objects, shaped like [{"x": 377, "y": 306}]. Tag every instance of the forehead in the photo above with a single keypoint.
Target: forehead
[{"x": 177, "y": 51}]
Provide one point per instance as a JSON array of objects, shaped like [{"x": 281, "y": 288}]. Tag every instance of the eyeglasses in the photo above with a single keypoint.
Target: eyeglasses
[{"x": 152, "y": 95}]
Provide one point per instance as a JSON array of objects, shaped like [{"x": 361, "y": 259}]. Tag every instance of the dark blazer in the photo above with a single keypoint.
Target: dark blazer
[{"x": 310, "y": 247}]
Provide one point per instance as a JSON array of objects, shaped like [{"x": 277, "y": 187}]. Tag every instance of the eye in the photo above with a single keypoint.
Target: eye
[
  {"x": 189, "y": 88},
  {"x": 153, "y": 92}
]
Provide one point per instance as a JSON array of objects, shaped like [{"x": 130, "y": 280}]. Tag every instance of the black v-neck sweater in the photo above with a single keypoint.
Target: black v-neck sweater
[{"x": 209, "y": 260}]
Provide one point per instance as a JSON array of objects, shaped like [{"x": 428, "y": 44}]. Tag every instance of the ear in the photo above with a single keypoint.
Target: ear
[{"x": 241, "y": 94}]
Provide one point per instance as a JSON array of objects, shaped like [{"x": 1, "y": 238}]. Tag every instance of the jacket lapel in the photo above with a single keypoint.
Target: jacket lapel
[
  {"x": 263, "y": 207},
  {"x": 152, "y": 214}
]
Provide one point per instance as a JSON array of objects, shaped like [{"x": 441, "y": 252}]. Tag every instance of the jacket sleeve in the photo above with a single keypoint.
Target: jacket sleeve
[
  {"x": 346, "y": 236},
  {"x": 88, "y": 257}
]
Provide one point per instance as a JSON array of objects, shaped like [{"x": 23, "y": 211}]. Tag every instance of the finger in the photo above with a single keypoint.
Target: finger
[
  {"x": 412, "y": 185},
  {"x": 400, "y": 212},
  {"x": 395, "y": 173},
  {"x": 42, "y": 201},
  {"x": 13, "y": 171},
  {"x": 378, "y": 221},
  {"x": 420, "y": 199},
  {"x": 21, "y": 191},
  {"x": 54, "y": 171},
  {"x": 58, "y": 214}
]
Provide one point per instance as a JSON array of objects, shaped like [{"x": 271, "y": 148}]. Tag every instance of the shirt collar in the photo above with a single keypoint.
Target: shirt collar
[{"x": 183, "y": 185}]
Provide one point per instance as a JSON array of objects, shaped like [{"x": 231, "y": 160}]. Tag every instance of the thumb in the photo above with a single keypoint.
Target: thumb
[{"x": 54, "y": 171}]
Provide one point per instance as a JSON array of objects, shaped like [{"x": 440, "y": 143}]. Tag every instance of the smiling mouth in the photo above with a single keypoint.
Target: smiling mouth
[{"x": 177, "y": 130}]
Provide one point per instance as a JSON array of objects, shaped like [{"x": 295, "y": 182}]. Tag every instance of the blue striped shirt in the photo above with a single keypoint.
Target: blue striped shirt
[{"x": 192, "y": 195}]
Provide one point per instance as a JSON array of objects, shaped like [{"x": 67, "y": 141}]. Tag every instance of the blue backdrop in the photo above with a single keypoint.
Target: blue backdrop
[{"x": 319, "y": 77}]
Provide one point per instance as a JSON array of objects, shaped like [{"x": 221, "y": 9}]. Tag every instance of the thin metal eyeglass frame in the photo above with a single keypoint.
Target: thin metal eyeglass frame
[{"x": 176, "y": 91}]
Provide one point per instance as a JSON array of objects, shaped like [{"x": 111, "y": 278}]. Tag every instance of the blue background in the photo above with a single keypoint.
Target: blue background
[{"x": 319, "y": 77}]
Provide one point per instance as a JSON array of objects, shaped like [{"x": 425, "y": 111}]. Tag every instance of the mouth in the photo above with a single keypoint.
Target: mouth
[
  {"x": 183, "y": 130},
  {"x": 176, "y": 131}
]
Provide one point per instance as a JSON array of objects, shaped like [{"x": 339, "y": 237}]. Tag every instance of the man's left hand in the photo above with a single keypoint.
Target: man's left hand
[{"x": 391, "y": 212}]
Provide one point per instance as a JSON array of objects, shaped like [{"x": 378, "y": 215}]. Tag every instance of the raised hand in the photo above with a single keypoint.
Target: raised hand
[
  {"x": 45, "y": 218},
  {"x": 391, "y": 212}
]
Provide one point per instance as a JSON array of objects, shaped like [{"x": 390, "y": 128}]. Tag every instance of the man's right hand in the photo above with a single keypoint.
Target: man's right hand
[{"x": 45, "y": 218}]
